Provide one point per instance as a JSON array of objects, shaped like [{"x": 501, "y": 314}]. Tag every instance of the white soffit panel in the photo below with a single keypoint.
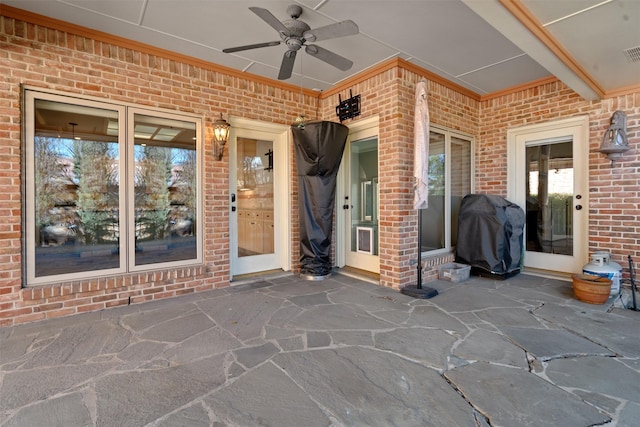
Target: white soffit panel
[{"x": 502, "y": 20}]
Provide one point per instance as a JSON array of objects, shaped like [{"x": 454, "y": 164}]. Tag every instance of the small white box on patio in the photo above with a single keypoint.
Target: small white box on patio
[{"x": 454, "y": 272}]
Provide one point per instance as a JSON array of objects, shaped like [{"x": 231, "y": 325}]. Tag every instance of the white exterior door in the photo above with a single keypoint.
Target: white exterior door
[
  {"x": 548, "y": 178},
  {"x": 259, "y": 197},
  {"x": 357, "y": 199}
]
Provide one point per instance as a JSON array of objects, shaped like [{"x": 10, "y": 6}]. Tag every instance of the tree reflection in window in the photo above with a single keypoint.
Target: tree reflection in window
[
  {"x": 107, "y": 191},
  {"x": 96, "y": 172},
  {"x": 76, "y": 201},
  {"x": 165, "y": 189}
]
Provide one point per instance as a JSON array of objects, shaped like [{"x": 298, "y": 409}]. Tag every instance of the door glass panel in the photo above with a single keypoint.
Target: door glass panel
[
  {"x": 165, "y": 193},
  {"x": 364, "y": 196},
  {"x": 76, "y": 176},
  {"x": 460, "y": 180},
  {"x": 549, "y": 190},
  {"x": 254, "y": 190},
  {"x": 433, "y": 217}
]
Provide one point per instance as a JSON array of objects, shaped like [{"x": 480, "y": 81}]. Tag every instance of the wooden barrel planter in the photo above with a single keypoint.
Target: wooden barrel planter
[{"x": 591, "y": 289}]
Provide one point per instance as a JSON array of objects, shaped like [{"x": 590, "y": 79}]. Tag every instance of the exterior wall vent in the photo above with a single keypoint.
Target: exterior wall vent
[{"x": 632, "y": 54}]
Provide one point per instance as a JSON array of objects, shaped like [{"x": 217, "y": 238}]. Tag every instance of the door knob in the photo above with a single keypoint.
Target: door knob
[{"x": 578, "y": 207}]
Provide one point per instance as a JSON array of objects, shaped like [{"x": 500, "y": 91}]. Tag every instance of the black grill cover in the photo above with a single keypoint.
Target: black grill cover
[
  {"x": 490, "y": 233},
  {"x": 319, "y": 147}
]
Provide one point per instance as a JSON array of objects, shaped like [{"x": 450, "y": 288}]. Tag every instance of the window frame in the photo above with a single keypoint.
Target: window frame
[
  {"x": 125, "y": 113},
  {"x": 130, "y": 206},
  {"x": 449, "y": 134}
]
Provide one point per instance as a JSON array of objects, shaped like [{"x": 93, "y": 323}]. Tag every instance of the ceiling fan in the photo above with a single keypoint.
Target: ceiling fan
[{"x": 296, "y": 33}]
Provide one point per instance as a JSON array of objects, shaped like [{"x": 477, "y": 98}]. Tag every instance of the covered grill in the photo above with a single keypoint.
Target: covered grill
[{"x": 490, "y": 235}]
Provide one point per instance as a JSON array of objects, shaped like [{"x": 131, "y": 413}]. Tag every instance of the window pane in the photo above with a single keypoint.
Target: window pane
[
  {"x": 549, "y": 181},
  {"x": 447, "y": 187},
  {"x": 460, "y": 180},
  {"x": 364, "y": 196},
  {"x": 255, "y": 197},
  {"x": 165, "y": 190},
  {"x": 76, "y": 188},
  {"x": 433, "y": 218}
]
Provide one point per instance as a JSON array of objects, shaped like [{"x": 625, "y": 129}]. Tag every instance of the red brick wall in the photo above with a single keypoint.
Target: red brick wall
[
  {"x": 391, "y": 96},
  {"x": 47, "y": 58},
  {"x": 614, "y": 192},
  {"x": 43, "y": 57}
]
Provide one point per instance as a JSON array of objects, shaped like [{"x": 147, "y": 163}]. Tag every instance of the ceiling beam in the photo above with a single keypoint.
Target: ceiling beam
[{"x": 513, "y": 20}]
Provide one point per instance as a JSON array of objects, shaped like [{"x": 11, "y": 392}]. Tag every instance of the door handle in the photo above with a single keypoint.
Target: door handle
[
  {"x": 233, "y": 197},
  {"x": 578, "y": 207}
]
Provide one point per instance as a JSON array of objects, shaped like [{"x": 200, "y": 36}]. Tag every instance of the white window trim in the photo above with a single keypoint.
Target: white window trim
[{"x": 30, "y": 95}]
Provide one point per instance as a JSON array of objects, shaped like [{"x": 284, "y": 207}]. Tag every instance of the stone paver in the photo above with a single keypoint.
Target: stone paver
[
  {"x": 595, "y": 374},
  {"x": 547, "y": 344},
  {"x": 617, "y": 330},
  {"x": 339, "y": 352},
  {"x": 364, "y": 387},
  {"x": 487, "y": 346},
  {"x": 428, "y": 346},
  {"x": 515, "y": 397}
]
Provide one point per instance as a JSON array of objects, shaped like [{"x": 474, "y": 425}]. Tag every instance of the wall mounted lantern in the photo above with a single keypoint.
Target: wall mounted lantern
[
  {"x": 614, "y": 141},
  {"x": 73, "y": 131},
  {"x": 220, "y": 136}
]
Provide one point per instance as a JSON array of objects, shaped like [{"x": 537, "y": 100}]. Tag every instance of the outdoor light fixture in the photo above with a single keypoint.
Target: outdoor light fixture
[
  {"x": 220, "y": 136},
  {"x": 73, "y": 131},
  {"x": 614, "y": 141},
  {"x": 301, "y": 121}
]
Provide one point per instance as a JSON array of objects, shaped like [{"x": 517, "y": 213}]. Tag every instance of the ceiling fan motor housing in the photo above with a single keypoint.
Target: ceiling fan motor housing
[{"x": 294, "y": 39}]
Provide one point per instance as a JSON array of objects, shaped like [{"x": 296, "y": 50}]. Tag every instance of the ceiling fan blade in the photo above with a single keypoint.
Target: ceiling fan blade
[
  {"x": 250, "y": 46},
  {"x": 287, "y": 65},
  {"x": 329, "y": 57},
  {"x": 270, "y": 19},
  {"x": 341, "y": 29}
]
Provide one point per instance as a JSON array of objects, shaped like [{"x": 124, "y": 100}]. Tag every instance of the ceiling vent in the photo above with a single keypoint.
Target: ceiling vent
[{"x": 632, "y": 54}]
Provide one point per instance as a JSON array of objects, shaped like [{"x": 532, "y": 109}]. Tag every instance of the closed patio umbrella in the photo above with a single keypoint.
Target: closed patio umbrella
[
  {"x": 421, "y": 178},
  {"x": 421, "y": 148}
]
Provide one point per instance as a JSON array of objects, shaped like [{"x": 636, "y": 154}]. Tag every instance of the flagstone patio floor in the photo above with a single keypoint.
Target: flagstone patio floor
[{"x": 282, "y": 351}]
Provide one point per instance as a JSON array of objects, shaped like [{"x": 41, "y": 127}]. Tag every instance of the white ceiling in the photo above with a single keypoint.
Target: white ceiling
[{"x": 477, "y": 44}]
